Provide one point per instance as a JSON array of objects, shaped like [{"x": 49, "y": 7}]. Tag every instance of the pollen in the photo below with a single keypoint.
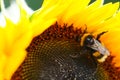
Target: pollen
[{"x": 56, "y": 54}]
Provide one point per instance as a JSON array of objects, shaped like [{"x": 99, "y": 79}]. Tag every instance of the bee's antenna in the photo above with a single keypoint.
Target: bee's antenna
[{"x": 100, "y": 34}]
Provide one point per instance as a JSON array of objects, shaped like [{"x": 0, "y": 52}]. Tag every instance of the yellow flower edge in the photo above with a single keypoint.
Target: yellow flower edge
[
  {"x": 15, "y": 38},
  {"x": 112, "y": 39}
]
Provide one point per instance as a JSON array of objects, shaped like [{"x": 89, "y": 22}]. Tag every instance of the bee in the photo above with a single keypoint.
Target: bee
[{"x": 101, "y": 52}]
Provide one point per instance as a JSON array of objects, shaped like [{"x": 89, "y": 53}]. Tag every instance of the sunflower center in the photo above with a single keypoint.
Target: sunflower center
[{"x": 57, "y": 55}]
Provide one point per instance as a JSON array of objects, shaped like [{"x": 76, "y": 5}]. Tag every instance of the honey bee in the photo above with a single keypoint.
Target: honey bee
[{"x": 101, "y": 52}]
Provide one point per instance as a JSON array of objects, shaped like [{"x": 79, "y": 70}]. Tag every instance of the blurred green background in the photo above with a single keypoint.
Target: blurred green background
[{"x": 35, "y": 4}]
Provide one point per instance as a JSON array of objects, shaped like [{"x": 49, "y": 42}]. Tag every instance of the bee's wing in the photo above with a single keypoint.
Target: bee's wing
[{"x": 100, "y": 48}]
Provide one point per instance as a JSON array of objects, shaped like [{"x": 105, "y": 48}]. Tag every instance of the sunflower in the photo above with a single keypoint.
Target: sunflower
[{"x": 46, "y": 45}]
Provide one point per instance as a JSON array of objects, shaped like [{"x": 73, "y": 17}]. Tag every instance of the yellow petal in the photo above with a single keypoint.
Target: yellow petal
[
  {"x": 101, "y": 15},
  {"x": 47, "y": 15},
  {"x": 96, "y": 16},
  {"x": 75, "y": 7}
]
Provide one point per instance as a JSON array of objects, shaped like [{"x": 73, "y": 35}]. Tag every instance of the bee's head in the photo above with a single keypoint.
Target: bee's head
[{"x": 87, "y": 40}]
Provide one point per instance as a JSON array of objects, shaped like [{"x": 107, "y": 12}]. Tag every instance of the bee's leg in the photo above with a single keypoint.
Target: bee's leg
[
  {"x": 96, "y": 54},
  {"x": 100, "y": 34}
]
